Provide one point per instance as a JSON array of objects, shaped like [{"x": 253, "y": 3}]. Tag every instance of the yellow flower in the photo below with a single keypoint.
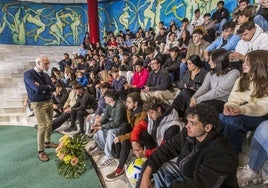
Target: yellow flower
[
  {"x": 74, "y": 161},
  {"x": 65, "y": 140},
  {"x": 67, "y": 159}
]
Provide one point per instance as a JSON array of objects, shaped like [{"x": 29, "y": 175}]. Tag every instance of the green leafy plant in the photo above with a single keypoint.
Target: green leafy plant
[{"x": 71, "y": 155}]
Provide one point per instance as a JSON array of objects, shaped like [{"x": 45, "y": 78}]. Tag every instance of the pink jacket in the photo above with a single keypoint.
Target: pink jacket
[{"x": 140, "y": 79}]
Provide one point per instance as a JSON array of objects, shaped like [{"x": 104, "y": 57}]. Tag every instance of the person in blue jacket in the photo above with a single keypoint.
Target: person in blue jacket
[{"x": 39, "y": 89}]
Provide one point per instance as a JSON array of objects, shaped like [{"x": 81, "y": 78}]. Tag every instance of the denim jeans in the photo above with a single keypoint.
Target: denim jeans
[
  {"x": 218, "y": 26},
  {"x": 105, "y": 138},
  {"x": 259, "y": 147},
  {"x": 183, "y": 68},
  {"x": 261, "y": 21},
  {"x": 234, "y": 127},
  {"x": 166, "y": 174}
]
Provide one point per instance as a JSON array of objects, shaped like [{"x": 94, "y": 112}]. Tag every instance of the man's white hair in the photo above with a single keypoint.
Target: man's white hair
[{"x": 40, "y": 57}]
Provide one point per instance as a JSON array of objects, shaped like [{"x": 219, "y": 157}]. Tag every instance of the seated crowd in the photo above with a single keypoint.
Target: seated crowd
[{"x": 182, "y": 97}]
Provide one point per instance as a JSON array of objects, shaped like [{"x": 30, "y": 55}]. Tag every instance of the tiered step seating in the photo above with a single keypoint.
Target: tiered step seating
[{"x": 14, "y": 61}]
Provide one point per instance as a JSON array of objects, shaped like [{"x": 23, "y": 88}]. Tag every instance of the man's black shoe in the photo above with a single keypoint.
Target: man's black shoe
[
  {"x": 57, "y": 115},
  {"x": 70, "y": 129}
]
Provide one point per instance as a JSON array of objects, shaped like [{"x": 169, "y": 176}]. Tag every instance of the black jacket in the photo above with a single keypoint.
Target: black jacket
[
  {"x": 173, "y": 66},
  {"x": 209, "y": 164},
  {"x": 219, "y": 15},
  {"x": 85, "y": 101},
  {"x": 159, "y": 81}
]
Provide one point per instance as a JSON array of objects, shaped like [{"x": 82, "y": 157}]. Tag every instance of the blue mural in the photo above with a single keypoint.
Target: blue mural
[
  {"x": 119, "y": 15},
  {"x": 30, "y": 23}
]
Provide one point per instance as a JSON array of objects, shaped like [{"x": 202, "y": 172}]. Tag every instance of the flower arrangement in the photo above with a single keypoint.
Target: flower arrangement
[{"x": 71, "y": 155}]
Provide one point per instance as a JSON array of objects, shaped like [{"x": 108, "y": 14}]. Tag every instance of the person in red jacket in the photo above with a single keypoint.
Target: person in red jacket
[{"x": 162, "y": 123}]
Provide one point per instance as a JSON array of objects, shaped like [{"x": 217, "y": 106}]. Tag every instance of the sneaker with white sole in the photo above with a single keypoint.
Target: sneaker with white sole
[
  {"x": 246, "y": 176},
  {"x": 105, "y": 161},
  {"x": 96, "y": 151},
  {"x": 114, "y": 175}
]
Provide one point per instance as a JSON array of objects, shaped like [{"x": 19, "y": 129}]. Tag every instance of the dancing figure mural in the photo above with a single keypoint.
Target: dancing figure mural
[
  {"x": 17, "y": 27},
  {"x": 36, "y": 20},
  {"x": 56, "y": 30},
  {"x": 158, "y": 11},
  {"x": 76, "y": 21},
  {"x": 148, "y": 14},
  {"x": 125, "y": 16}
]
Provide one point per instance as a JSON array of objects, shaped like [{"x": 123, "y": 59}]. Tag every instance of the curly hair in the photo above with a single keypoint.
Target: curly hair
[
  {"x": 206, "y": 115},
  {"x": 153, "y": 103}
]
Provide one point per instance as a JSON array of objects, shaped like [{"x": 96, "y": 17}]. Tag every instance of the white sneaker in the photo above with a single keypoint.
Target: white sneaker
[
  {"x": 246, "y": 176},
  {"x": 105, "y": 161}
]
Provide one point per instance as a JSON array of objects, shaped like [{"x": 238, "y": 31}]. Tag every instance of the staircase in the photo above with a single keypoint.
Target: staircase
[{"x": 14, "y": 61}]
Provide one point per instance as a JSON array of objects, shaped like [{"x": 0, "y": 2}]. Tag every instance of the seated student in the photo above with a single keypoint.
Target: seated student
[
  {"x": 59, "y": 98},
  {"x": 172, "y": 63},
  {"x": 197, "y": 19},
  {"x": 93, "y": 80},
  {"x": 68, "y": 78},
  {"x": 93, "y": 66},
  {"x": 243, "y": 5},
  {"x": 91, "y": 118},
  {"x": 66, "y": 61},
  {"x": 184, "y": 41},
  {"x": 185, "y": 25},
  {"x": 243, "y": 17},
  {"x": 81, "y": 78},
  {"x": 126, "y": 66},
  {"x": 258, "y": 155},
  {"x": 261, "y": 17},
  {"x": 105, "y": 64},
  {"x": 139, "y": 78},
  {"x": 199, "y": 156},
  {"x": 82, "y": 65},
  {"x": 171, "y": 42},
  {"x": 191, "y": 82},
  {"x": 220, "y": 16},
  {"x": 112, "y": 44},
  {"x": 247, "y": 105},
  {"x": 84, "y": 101},
  {"x": 196, "y": 48},
  {"x": 121, "y": 146},
  {"x": 66, "y": 109},
  {"x": 161, "y": 125},
  {"x": 209, "y": 26},
  {"x": 158, "y": 84},
  {"x": 118, "y": 83},
  {"x": 227, "y": 40},
  {"x": 82, "y": 51},
  {"x": 160, "y": 39},
  {"x": 218, "y": 82},
  {"x": 152, "y": 53},
  {"x": 252, "y": 38},
  {"x": 106, "y": 128}
]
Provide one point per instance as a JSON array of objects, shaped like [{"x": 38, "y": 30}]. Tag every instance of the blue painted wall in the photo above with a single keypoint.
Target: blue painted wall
[{"x": 29, "y": 23}]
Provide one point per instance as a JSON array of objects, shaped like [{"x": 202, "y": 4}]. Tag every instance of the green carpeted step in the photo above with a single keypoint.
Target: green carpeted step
[{"x": 20, "y": 166}]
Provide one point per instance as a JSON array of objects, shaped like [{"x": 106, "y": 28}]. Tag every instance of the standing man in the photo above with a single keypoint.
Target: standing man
[{"x": 39, "y": 90}]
